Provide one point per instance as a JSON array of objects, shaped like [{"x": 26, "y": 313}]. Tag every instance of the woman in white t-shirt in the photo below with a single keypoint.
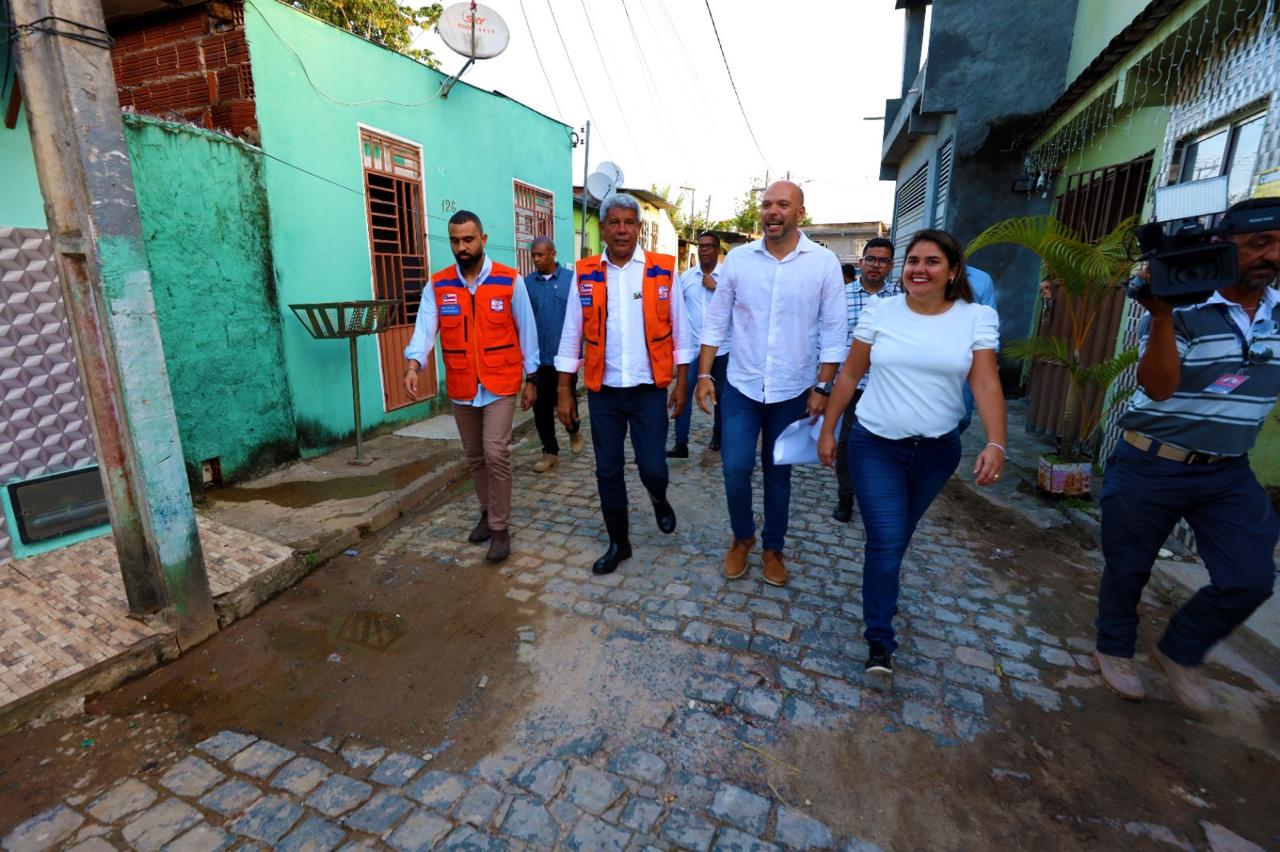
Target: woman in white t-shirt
[{"x": 924, "y": 345}]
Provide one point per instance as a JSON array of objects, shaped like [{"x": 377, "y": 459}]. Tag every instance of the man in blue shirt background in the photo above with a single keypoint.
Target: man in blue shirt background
[
  {"x": 548, "y": 287},
  {"x": 984, "y": 293}
]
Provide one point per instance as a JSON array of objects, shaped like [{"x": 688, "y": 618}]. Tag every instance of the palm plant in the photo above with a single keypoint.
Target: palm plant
[{"x": 1087, "y": 274}]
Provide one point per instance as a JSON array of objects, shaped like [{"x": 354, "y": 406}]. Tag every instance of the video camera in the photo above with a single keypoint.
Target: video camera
[{"x": 1188, "y": 261}]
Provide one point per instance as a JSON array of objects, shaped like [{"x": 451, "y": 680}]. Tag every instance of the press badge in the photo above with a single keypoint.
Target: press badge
[{"x": 1226, "y": 383}]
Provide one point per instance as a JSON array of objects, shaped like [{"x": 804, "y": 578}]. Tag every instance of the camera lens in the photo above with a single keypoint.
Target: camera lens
[{"x": 1193, "y": 274}]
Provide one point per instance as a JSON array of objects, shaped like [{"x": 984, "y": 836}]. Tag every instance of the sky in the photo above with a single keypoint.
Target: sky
[{"x": 661, "y": 105}]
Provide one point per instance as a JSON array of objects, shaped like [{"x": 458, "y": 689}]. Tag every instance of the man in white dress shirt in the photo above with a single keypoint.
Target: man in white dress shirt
[
  {"x": 698, "y": 283},
  {"x": 784, "y": 296},
  {"x": 489, "y": 345},
  {"x": 626, "y": 318}
]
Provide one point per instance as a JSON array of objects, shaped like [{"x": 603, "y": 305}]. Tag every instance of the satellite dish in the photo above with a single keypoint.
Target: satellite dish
[
  {"x": 473, "y": 30},
  {"x": 604, "y": 181}
]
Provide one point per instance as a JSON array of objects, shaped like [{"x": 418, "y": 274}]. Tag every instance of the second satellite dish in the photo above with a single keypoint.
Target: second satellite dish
[
  {"x": 607, "y": 178},
  {"x": 473, "y": 30}
]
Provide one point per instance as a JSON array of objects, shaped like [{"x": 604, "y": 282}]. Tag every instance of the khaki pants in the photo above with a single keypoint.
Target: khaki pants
[{"x": 486, "y": 436}]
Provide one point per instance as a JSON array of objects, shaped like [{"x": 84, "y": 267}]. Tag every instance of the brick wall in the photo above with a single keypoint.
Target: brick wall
[{"x": 193, "y": 62}]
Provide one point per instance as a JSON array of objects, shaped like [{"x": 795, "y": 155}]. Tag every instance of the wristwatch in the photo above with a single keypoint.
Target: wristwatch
[
  {"x": 823, "y": 388},
  {"x": 531, "y": 379}
]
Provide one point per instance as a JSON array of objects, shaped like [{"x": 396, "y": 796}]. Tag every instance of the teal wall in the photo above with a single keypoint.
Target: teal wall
[
  {"x": 1097, "y": 22},
  {"x": 474, "y": 144},
  {"x": 21, "y": 205},
  {"x": 205, "y": 228}
]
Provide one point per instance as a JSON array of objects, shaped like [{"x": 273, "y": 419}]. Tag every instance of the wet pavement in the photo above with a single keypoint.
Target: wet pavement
[{"x": 411, "y": 696}]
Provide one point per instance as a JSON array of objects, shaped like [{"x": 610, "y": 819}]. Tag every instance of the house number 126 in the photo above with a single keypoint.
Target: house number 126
[{"x": 448, "y": 205}]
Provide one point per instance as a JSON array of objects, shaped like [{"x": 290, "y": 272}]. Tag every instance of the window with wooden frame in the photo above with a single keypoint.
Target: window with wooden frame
[{"x": 535, "y": 217}]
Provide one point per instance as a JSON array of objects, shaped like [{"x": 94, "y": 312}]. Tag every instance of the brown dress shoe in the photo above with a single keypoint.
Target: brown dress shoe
[
  {"x": 1120, "y": 674},
  {"x": 1186, "y": 683},
  {"x": 481, "y": 532},
  {"x": 499, "y": 546},
  {"x": 735, "y": 561},
  {"x": 775, "y": 570}
]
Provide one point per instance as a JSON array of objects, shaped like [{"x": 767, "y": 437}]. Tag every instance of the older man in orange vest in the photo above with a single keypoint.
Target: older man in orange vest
[
  {"x": 627, "y": 320},
  {"x": 489, "y": 344}
]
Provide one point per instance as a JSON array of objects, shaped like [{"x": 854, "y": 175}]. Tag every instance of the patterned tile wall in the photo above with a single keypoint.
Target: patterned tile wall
[{"x": 44, "y": 424}]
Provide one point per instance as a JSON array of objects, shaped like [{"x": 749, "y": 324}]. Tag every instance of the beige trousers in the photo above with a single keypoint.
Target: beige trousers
[{"x": 486, "y": 439}]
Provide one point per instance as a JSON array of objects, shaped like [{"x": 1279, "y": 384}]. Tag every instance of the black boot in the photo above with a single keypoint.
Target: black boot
[
  {"x": 843, "y": 512},
  {"x": 665, "y": 515},
  {"x": 679, "y": 451},
  {"x": 619, "y": 543}
]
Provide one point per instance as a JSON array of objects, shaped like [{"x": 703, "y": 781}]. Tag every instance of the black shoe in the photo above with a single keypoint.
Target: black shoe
[
  {"x": 843, "y": 513},
  {"x": 679, "y": 451},
  {"x": 619, "y": 543},
  {"x": 481, "y": 532},
  {"x": 879, "y": 661},
  {"x": 665, "y": 515}
]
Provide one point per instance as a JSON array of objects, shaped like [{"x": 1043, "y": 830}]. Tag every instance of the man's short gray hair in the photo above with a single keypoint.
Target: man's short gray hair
[{"x": 619, "y": 199}]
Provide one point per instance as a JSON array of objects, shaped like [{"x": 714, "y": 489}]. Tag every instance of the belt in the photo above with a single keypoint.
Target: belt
[{"x": 1170, "y": 452}]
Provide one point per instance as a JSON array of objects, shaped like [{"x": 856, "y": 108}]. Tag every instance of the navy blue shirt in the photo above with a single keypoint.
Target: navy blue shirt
[{"x": 549, "y": 296}]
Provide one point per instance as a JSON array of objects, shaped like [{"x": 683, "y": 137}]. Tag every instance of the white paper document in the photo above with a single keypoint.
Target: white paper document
[{"x": 798, "y": 443}]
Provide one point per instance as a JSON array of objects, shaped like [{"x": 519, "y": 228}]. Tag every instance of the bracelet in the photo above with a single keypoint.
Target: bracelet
[
  {"x": 706, "y": 376},
  {"x": 999, "y": 447}
]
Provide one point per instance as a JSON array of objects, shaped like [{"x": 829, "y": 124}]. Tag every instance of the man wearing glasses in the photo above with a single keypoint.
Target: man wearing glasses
[
  {"x": 877, "y": 262},
  {"x": 1208, "y": 378}
]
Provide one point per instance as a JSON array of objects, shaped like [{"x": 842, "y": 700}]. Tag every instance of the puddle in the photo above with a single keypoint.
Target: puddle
[
  {"x": 308, "y": 492},
  {"x": 377, "y": 631}
]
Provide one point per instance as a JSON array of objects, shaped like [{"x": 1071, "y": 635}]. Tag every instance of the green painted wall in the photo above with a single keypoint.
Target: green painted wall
[
  {"x": 1097, "y": 22},
  {"x": 1131, "y": 135},
  {"x": 593, "y": 231},
  {"x": 21, "y": 205},
  {"x": 205, "y": 227},
  {"x": 474, "y": 144}
]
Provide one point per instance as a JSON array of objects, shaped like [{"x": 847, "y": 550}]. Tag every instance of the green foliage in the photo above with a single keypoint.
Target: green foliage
[
  {"x": 385, "y": 22},
  {"x": 1087, "y": 273}
]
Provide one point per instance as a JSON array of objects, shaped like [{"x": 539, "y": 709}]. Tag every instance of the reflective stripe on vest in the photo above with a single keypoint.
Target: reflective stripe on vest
[
  {"x": 658, "y": 284},
  {"x": 479, "y": 342}
]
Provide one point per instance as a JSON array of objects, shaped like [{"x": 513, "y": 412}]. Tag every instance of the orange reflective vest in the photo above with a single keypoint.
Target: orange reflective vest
[
  {"x": 479, "y": 341},
  {"x": 659, "y": 281}
]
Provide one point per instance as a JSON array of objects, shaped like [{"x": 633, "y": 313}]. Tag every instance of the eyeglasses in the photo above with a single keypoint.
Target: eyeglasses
[{"x": 876, "y": 261}]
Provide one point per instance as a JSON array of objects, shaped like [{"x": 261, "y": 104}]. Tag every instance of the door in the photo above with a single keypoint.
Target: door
[
  {"x": 396, "y": 208},
  {"x": 535, "y": 217}
]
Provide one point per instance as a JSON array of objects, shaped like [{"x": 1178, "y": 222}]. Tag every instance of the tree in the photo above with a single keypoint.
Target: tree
[
  {"x": 685, "y": 227},
  {"x": 1086, "y": 274},
  {"x": 385, "y": 22}
]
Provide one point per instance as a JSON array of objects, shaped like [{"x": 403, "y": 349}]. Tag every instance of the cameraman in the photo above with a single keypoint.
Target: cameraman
[{"x": 1208, "y": 377}]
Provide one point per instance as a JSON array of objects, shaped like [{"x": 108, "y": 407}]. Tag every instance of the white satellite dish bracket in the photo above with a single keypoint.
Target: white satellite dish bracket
[{"x": 474, "y": 31}]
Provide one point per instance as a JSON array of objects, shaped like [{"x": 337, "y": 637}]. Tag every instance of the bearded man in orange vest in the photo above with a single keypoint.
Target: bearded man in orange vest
[
  {"x": 626, "y": 318},
  {"x": 489, "y": 344}
]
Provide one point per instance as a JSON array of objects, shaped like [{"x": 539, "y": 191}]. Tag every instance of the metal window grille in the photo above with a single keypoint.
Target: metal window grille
[
  {"x": 397, "y": 221},
  {"x": 909, "y": 214},
  {"x": 535, "y": 217},
  {"x": 945, "y": 154}
]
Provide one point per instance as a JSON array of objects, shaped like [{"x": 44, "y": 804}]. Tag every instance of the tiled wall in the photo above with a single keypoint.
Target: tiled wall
[{"x": 44, "y": 424}]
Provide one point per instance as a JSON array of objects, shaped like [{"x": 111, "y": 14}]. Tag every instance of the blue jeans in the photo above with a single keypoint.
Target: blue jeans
[
  {"x": 643, "y": 410},
  {"x": 744, "y": 419},
  {"x": 895, "y": 480},
  {"x": 684, "y": 421},
  {"x": 1142, "y": 498}
]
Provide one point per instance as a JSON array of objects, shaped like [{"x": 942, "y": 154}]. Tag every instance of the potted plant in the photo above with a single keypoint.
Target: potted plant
[{"x": 1085, "y": 274}]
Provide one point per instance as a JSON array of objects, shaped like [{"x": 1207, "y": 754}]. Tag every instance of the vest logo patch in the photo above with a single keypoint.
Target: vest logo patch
[
  {"x": 585, "y": 287},
  {"x": 448, "y": 298},
  {"x": 664, "y": 294},
  {"x": 453, "y": 310},
  {"x": 497, "y": 305}
]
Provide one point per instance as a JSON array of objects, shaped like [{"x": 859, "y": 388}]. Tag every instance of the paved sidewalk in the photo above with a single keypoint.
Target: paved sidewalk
[{"x": 537, "y": 706}]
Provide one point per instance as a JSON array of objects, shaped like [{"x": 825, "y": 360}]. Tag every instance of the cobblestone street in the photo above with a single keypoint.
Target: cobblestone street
[{"x": 412, "y": 696}]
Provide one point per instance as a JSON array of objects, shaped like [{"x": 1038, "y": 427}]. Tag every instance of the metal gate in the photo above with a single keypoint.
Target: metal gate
[
  {"x": 1095, "y": 201},
  {"x": 398, "y": 248},
  {"x": 535, "y": 217}
]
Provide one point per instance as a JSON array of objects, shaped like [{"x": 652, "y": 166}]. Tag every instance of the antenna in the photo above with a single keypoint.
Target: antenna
[
  {"x": 604, "y": 181},
  {"x": 474, "y": 31}
]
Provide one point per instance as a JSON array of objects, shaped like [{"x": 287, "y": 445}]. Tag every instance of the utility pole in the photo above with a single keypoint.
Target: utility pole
[
  {"x": 586, "y": 167},
  {"x": 87, "y": 184},
  {"x": 693, "y": 194},
  {"x": 707, "y": 216}
]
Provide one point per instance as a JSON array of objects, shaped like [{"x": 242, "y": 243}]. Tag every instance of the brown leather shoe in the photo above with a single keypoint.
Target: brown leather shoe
[
  {"x": 1186, "y": 683},
  {"x": 1120, "y": 674},
  {"x": 481, "y": 532},
  {"x": 499, "y": 546},
  {"x": 775, "y": 570},
  {"x": 735, "y": 561}
]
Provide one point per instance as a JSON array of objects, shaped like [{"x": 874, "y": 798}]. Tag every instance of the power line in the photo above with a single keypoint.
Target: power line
[
  {"x": 728, "y": 71},
  {"x": 538, "y": 53},
  {"x": 654, "y": 96},
  {"x": 568, "y": 57},
  {"x": 595, "y": 40}
]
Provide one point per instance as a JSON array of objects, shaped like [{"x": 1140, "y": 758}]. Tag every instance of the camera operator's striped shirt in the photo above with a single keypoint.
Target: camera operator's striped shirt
[{"x": 1212, "y": 338}]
